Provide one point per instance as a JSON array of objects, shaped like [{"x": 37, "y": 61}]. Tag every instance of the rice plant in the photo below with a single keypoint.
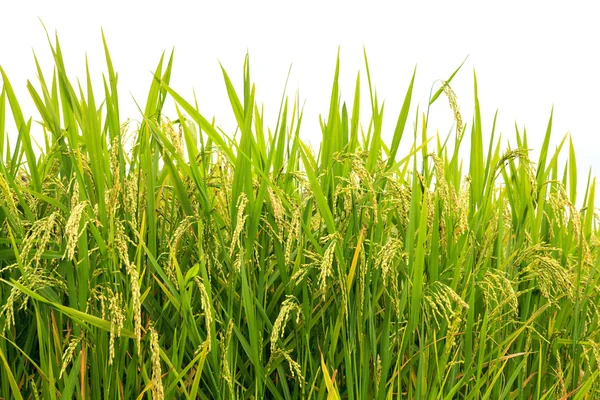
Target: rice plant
[{"x": 172, "y": 259}]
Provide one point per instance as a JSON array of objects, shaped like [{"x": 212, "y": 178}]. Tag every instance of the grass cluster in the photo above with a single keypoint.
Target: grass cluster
[{"x": 171, "y": 259}]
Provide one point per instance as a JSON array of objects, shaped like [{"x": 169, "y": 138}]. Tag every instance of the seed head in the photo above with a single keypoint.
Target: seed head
[
  {"x": 116, "y": 321},
  {"x": 293, "y": 234},
  {"x": 453, "y": 101},
  {"x": 224, "y": 345},
  {"x": 8, "y": 198},
  {"x": 554, "y": 280},
  {"x": 72, "y": 231},
  {"x": 498, "y": 292},
  {"x": 442, "y": 302},
  {"x": 114, "y": 158},
  {"x": 326, "y": 267},
  {"x": 174, "y": 246},
  {"x": 295, "y": 368},
  {"x": 205, "y": 302},
  {"x": 289, "y": 305},
  {"x": 34, "y": 389},
  {"x": 462, "y": 208},
  {"x": 67, "y": 356},
  {"x": 278, "y": 210},
  {"x": 157, "y": 386},
  {"x": 131, "y": 197},
  {"x": 39, "y": 235},
  {"x": 121, "y": 244},
  {"x": 240, "y": 220}
]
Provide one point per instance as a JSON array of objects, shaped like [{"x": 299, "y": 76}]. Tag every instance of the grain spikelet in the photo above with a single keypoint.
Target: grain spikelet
[
  {"x": 8, "y": 198},
  {"x": 121, "y": 244},
  {"x": 72, "y": 231},
  {"x": 554, "y": 280},
  {"x": 293, "y": 234},
  {"x": 239, "y": 224},
  {"x": 452, "y": 332},
  {"x": 486, "y": 248},
  {"x": 443, "y": 193},
  {"x": 387, "y": 261},
  {"x": 362, "y": 278},
  {"x": 563, "y": 207},
  {"x": 289, "y": 305},
  {"x": 33, "y": 278},
  {"x": 498, "y": 291},
  {"x": 378, "y": 370},
  {"x": 67, "y": 356},
  {"x": 39, "y": 235},
  {"x": 596, "y": 352},
  {"x": 462, "y": 208},
  {"x": 224, "y": 345},
  {"x": 278, "y": 210},
  {"x": 326, "y": 270},
  {"x": 34, "y": 389},
  {"x": 363, "y": 177},
  {"x": 208, "y": 319},
  {"x": 560, "y": 375},
  {"x": 441, "y": 302},
  {"x": 179, "y": 233},
  {"x": 131, "y": 197},
  {"x": 113, "y": 157},
  {"x": 157, "y": 386},
  {"x": 116, "y": 321},
  {"x": 387, "y": 255},
  {"x": 295, "y": 368},
  {"x": 175, "y": 137},
  {"x": 453, "y": 101}
]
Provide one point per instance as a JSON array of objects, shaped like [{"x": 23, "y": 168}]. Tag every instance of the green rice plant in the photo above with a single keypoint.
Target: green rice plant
[{"x": 172, "y": 259}]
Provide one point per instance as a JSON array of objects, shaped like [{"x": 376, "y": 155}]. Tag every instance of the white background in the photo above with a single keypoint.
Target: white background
[{"x": 528, "y": 57}]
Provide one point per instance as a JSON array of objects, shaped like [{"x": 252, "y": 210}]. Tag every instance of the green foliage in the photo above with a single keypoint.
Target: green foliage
[{"x": 171, "y": 260}]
